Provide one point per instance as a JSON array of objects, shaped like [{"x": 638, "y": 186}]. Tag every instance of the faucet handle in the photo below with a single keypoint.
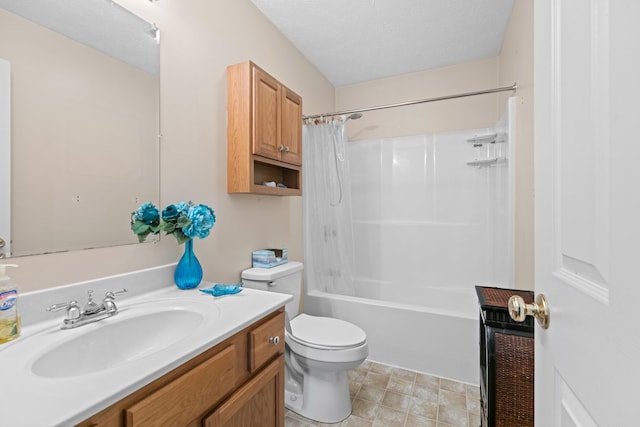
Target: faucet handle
[
  {"x": 108, "y": 302},
  {"x": 73, "y": 310},
  {"x": 113, "y": 294}
]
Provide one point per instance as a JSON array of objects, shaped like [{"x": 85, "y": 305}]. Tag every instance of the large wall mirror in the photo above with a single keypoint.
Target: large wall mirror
[{"x": 79, "y": 115}]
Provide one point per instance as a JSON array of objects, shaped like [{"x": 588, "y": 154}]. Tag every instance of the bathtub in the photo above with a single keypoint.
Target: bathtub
[{"x": 440, "y": 341}]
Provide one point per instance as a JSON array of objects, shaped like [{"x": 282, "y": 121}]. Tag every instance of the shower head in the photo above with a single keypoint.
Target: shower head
[{"x": 354, "y": 116}]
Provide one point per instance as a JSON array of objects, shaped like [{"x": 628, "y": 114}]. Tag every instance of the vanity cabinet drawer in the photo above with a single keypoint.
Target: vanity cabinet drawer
[
  {"x": 187, "y": 397},
  {"x": 266, "y": 341}
]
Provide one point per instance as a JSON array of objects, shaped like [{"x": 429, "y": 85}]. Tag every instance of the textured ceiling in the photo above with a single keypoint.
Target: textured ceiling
[
  {"x": 352, "y": 41},
  {"x": 103, "y": 25}
]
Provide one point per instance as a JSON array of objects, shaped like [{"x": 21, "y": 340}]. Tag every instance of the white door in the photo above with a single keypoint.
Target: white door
[
  {"x": 587, "y": 142},
  {"x": 5, "y": 157}
]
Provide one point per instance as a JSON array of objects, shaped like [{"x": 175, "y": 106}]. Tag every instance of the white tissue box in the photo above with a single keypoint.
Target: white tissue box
[{"x": 267, "y": 258}]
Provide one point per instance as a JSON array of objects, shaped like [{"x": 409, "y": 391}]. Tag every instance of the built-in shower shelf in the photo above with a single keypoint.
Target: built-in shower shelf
[
  {"x": 487, "y": 162},
  {"x": 491, "y": 138}
]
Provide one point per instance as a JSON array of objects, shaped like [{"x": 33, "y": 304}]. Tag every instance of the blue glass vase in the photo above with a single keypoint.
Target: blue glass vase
[{"x": 188, "y": 273}]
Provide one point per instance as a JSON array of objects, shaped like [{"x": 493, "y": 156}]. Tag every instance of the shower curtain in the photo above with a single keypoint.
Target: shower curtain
[{"x": 326, "y": 202}]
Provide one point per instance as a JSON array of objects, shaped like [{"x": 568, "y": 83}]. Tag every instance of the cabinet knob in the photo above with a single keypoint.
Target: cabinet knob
[
  {"x": 519, "y": 310},
  {"x": 286, "y": 149},
  {"x": 281, "y": 148},
  {"x": 274, "y": 340}
]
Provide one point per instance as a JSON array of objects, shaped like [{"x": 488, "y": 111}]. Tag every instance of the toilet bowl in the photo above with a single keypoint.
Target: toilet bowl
[{"x": 319, "y": 351}]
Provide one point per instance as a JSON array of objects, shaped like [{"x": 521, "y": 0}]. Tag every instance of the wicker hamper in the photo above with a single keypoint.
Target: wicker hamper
[{"x": 506, "y": 361}]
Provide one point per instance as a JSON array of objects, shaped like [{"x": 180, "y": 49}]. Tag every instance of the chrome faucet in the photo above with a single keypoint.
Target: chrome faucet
[{"x": 92, "y": 311}]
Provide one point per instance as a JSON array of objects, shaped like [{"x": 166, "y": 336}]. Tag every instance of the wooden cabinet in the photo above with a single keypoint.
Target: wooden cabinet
[
  {"x": 257, "y": 403},
  {"x": 231, "y": 384},
  {"x": 264, "y": 133}
]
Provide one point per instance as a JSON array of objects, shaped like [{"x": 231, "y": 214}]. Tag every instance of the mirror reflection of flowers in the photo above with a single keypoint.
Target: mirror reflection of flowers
[{"x": 183, "y": 220}]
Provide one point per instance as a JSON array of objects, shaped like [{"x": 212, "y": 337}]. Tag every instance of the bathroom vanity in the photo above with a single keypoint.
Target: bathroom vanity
[
  {"x": 239, "y": 382},
  {"x": 168, "y": 358}
]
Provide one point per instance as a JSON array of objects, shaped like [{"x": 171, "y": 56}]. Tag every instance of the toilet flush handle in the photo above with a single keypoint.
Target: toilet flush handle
[{"x": 272, "y": 283}]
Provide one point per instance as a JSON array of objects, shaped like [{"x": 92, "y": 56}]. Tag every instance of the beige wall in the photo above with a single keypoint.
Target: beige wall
[
  {"x": 199, "y": 39},
  {"x": 516, "y": 65},
  {"x": 456, "y": 114}
]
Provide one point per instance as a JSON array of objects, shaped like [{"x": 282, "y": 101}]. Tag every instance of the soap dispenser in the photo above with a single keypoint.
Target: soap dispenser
[{"x": 9, "y": 320}]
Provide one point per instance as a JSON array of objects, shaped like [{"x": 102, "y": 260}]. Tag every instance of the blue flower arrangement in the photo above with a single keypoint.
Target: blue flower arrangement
[{"x": 183, "y": 220}]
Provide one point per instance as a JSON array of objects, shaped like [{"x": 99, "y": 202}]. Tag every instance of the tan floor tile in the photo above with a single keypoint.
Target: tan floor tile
[
  {"x": 294, "y": 422},
  {"x": 372, "y": 394},
  {"x": 473, "y": 391},
  {"x": 388, "y": 417},
  {"x": 379, "y": 368},
  {"x": 354, "y": 388},
  {"x": 426, "y": 379},
  {"x": 400, "y": 386},
  {"x": 474, "y": 419},
  {"x": 416, "y": 421},
  {"x": 403, "y": 374},
  {"x": 365, "y": 365},
  {"x": 424, "y": 408},
  {"x": 473, "y": 405},
  {"x": 354, "y": 421},
  {"x": 397, "y": 401},
  {"x": 385, "y": 396},
  {"x": 305, "y": 421},
  {"x": 357, "y": 375},
  {"x": 452, "y": 408},
  {"x": 451, "y": 385},
  {"x": 364, "y": 409},
  {"x": 428, "y": 391},
  {"x": 376, "y": 380}
]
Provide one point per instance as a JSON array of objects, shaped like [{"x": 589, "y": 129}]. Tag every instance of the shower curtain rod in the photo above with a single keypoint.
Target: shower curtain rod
[{"x": 420, "y": 101}]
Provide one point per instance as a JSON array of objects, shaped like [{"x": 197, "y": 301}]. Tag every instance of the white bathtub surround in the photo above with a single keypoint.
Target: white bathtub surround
[
  {"x": 427, "y": 227},
  {"x": 46, "y": 399}
]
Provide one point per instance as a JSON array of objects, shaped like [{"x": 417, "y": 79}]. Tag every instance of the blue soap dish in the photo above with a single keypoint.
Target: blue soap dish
[{"x": 220, "y": 289}]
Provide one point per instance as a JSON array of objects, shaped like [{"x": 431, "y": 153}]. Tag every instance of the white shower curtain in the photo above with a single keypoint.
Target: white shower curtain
[{"x": 326, "y": 196}]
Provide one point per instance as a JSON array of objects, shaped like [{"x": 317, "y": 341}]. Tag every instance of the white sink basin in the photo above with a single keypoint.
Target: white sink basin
[{"x": 134, "y": 333}]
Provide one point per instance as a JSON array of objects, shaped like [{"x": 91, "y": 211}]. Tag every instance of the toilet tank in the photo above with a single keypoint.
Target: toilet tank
[{"x": 285, "y": 279}]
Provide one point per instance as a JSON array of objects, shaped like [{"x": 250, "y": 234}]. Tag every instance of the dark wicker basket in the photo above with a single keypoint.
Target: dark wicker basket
[
  {"x": 513, "y": 380},
  {"x": 494, "y": 304},
  {"x": 506, "y": 361}
]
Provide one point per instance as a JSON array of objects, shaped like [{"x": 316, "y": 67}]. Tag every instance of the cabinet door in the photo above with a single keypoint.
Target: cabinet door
[
  {"x": 291, "y": 127},
  {"x": 266, "y": 115},
  {"x": 187, "y": 397},
  {"x": 260, "y": 402}
]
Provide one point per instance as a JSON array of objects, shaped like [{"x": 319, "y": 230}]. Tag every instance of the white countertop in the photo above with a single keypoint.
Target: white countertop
[{"x": 33, "y": 400}]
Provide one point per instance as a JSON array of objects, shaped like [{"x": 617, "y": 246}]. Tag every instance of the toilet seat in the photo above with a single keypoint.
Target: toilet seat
[{"x": 325, "y": 333}]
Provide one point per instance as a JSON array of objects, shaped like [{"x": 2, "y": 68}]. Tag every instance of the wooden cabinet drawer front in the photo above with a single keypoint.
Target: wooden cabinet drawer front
[
  {"x": 188, "y": 396},
  {"x": 262, "y": 347}
]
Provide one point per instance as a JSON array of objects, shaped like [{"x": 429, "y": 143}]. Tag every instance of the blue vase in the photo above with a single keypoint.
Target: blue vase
[{"x": 188, "y": 273}]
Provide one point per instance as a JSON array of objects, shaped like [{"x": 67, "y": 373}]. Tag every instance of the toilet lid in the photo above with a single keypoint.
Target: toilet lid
[{"x": 326, "y": 332}]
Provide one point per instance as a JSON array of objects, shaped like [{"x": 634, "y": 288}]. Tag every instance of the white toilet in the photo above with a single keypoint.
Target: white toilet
[{"x": 318, "y": 352}]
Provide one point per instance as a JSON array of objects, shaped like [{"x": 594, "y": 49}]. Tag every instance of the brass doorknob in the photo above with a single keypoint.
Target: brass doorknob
[{"x": 519, "y": 310}]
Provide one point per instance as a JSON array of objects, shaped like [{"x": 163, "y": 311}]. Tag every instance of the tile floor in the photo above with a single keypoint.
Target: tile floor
[{"x": 385, "y": 396}]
